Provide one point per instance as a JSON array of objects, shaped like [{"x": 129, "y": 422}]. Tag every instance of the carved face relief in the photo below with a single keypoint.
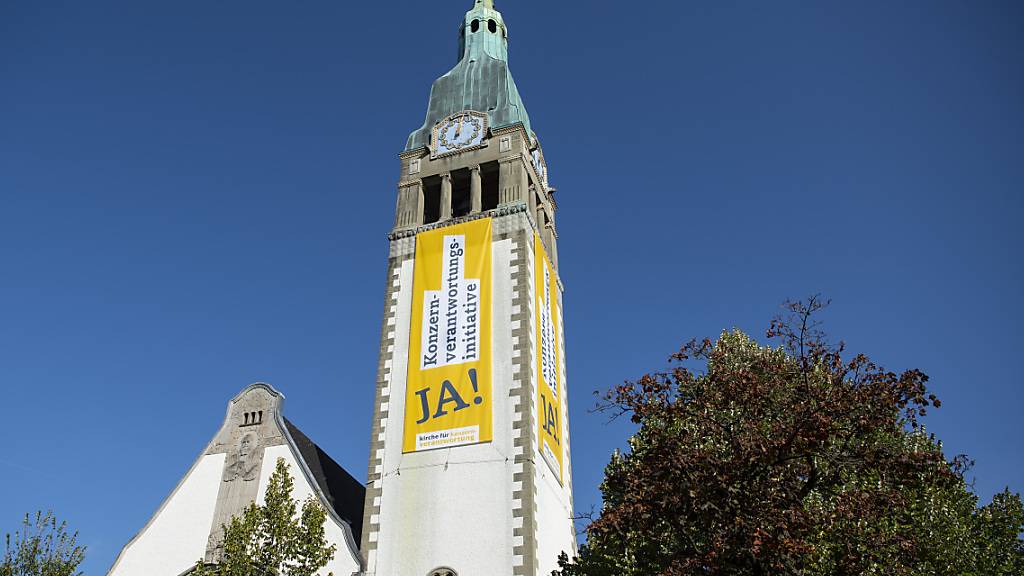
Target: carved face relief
[
  {"x": 245, "y": 461},
  {"x": 245, "y": 446}
]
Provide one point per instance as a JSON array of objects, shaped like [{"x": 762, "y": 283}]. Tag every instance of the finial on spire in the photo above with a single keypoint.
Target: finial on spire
[{"x": 486, "y": 3}]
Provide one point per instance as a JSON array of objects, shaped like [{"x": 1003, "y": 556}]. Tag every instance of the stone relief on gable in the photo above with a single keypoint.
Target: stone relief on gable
[
  {"x": 244, "y": 461},
  {"x": 251, "y": 428}
]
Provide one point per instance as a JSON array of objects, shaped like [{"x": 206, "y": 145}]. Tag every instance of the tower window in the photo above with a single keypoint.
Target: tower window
[
  {"x": 489, "y": 186},
  {"x": 443, "y": 572},
  {"x": 475, "y": 26},
  {"x": 492, "y": 26},
  {"x": 431, "y": 199},
  {"x": 252, "y": 418},
  {"x": 462, "y": 201}
]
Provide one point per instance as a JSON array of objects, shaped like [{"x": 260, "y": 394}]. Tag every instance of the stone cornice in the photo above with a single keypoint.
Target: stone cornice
[
  {"x": 512, "y": 158},
  {"x": 414, "y": 153},
  {"x": 512, "y": 128},
  {"x": 505, "y": 210}
]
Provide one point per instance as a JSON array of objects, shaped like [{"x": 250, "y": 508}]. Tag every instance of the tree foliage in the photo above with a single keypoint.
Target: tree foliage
[
  {"x": 43, "y": 547},
  {"x": 794, "y": 459},
  {"x": 275, "y": 538}
]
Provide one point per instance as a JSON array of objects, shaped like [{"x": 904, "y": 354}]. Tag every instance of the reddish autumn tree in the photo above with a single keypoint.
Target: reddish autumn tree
[{"x": 793, "y": 459}]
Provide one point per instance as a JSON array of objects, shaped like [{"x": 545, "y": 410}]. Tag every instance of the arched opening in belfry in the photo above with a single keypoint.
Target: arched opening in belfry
[
  {"x": 489, "y": 185},
  {"x": 431, "y": 199},
  {"x": 462, "y": 200}
]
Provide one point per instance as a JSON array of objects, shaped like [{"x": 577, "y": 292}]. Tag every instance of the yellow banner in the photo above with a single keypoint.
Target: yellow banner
[
  {"x": 448, "y": 395},
  {"x": 549, "y": 363}
]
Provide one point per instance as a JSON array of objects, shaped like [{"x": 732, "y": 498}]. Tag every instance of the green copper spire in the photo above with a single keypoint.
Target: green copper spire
[{"x": 481, "y": 80}]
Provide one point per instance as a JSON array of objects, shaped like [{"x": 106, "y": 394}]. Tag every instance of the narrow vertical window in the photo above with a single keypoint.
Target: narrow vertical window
[
  {"x": 462, "y": 201},
  {"x": 489, "y": 186},
  {"x": 431, "y": 199}
]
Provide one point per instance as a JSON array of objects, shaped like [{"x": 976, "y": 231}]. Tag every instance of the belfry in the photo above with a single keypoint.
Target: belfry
[
  {"x": 469, "y": 458},
  {"x": 469, "y": 470}
]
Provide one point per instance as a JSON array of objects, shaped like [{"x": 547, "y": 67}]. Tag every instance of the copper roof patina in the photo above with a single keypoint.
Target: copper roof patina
[{"x": 480, "y": 81}]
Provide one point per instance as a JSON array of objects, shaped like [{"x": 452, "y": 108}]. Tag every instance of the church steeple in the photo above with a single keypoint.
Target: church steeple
[
  {"x": 469, "y": 458},
  {"x": 480, "y": 81}
]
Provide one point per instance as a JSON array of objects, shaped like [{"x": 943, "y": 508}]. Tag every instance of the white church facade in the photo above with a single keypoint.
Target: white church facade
[
  {"x": 469, "y": 468},
  {"x": 233, "y": 472}
]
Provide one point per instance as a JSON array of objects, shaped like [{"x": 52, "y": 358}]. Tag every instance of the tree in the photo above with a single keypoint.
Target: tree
[
  {"x": 794, "y": 459},
  {"x": 43, "y": 547},
  {"x": 274, "y": 539}
]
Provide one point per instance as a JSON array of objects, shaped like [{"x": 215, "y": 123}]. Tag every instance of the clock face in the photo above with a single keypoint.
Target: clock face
[
  {"x": 539, "y": 165},
  {"x": 459, "y": 132}
]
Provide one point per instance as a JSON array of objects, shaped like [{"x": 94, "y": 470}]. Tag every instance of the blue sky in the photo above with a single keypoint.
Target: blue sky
[{"x": 194, "y": 196}]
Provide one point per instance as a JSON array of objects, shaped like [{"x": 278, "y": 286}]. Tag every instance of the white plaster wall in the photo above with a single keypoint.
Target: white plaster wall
[
  {"x": 382, "y": 560},
  {"x": 176, "y": 537},
  {"x": 344, "y": 562},
  {"x": 449, "y": 507},
  {"x": 555, "y": 530}
]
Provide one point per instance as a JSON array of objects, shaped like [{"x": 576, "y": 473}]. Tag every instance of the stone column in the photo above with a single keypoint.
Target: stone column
[
  {"x": 475, "y": 190},
  {"x": 446, "y": 196},
  {"x": 512, "y": 179},
  {"x": 409, "y": 212},
  {"x": 522, "y": 176},
  {"x": 535, "y": 210},
  {"x": 552, "y": 242}
]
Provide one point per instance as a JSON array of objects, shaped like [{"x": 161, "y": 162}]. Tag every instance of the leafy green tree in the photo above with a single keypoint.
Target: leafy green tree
[
  {"x": 43, "y": 547},
  {"x": 276, "y": 538},
  {"x": 794, "y": 459}
]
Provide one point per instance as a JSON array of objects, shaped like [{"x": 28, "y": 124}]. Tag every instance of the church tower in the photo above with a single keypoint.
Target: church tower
[{"x": 469, "y": 471}]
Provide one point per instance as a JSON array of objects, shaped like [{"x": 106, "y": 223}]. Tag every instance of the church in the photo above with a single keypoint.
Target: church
[{"x": 469, "y": 458}]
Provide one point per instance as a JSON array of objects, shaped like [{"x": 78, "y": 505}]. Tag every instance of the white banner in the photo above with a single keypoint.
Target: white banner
[{"x": 451, "y": 334}]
